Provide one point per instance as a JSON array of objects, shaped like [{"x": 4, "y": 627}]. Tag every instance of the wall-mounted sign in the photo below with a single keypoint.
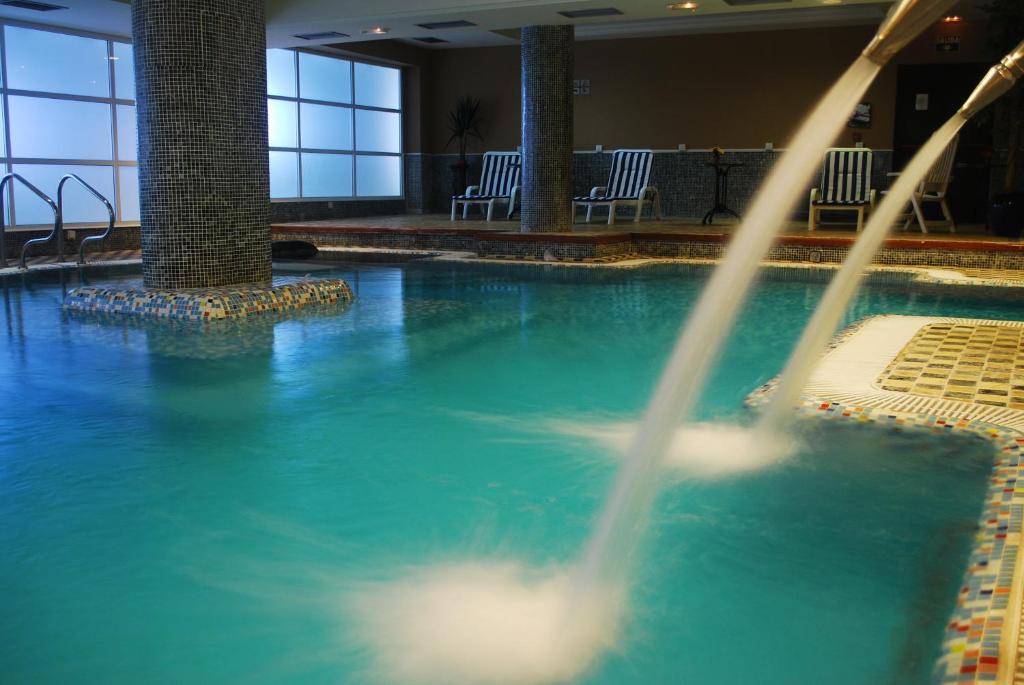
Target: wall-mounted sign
[
  {"x": 921, "y": 102},
  {"x": 861, "y": 117},
  {"x": 581, "y": 87},
  {"x": 948, "y": 44}
]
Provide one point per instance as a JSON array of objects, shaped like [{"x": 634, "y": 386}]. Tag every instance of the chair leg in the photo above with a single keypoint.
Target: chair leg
[
  {"x": 611, "y": 213},
  {"x": 657, "y": 206},
  {"x": 490, "y": 210},
  {"x": 454, "y": 205},
  {"x": 636, "y": 215},
  {"x": 590, "y": 211},
  {"x": 465, "y": 210},
  {"x": 860, "y": 219},
  {"x": 947, "y": 214},
  {"x": 810, "y": 218},
  {"x": 918, "y": 213}
]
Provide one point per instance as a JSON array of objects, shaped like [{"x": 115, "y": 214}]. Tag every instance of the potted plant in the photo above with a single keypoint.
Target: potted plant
[
  {"x": 463, "y": 124},
  {"x": 1006, "y": 210}
]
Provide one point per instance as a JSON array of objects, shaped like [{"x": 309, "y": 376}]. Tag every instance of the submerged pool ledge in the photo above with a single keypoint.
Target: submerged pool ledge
[
  {"x": 983, "y": 643},
  {"x": 209, "y": 304}
]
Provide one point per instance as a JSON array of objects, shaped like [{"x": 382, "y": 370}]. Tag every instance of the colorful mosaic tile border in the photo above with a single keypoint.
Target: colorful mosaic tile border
[
  {"x": 982, "y": 641},
  {"x": 209, "y": 304}
]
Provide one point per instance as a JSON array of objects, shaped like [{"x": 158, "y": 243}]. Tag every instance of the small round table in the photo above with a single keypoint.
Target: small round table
[{"x": 721, "y": 190}]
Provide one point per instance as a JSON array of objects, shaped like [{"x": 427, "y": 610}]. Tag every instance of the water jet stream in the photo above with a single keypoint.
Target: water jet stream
[
  {"x": 606, "y": 555},
  {"x": 844, "y": 285}
]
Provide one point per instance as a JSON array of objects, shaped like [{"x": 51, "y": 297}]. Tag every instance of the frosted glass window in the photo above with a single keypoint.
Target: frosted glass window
[
  {"x": 129, "y": 193},
  {"x": 79, "y": 205},
  {"x": 378, "y": 131},
  {"x": 324, "y": 78},
  {"x": 282, "y": 123},
  {"x": 378, "y": 86},
  {"x": 325, "y": 175},
  {"x": 326, "y": 127},
  {"x": 284, "y": 174},
  {"x": 59, "y": 129},
  {"x": 127, "y": 133},
  {"x": 124, "y": 71},
  {"x": 56, "y": 62},
  {"x": 281, "y": 73},
  {"x": 378, "y": 176}
]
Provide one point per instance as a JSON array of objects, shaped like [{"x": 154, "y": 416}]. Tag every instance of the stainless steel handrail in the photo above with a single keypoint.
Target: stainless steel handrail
[
  {"x": 106, "y": 203},
  {"x": 56, "y": 221}
]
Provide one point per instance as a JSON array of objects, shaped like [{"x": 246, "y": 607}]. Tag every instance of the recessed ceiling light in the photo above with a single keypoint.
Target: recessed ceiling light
[
  {"x": 430, "y": 39},
  {"x": 376, "y": 30},
  {"x": 323, "y": 35},
  {"x": 952, "y": 19},
  {"x": 596, "y": 12},
  {"x": 831, "y": 2},
  {"x": 692, "y": 6},
  {"x": 456, "y": 24}
]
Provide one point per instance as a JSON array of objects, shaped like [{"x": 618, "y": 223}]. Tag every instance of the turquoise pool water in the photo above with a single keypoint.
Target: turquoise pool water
[{"x": 184, "y": 507}]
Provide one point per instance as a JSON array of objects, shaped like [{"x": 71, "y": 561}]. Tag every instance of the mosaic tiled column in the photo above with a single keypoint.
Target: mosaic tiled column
[
  {"x": 547, "y": 70},
  {"x": 200, "y": 77}
]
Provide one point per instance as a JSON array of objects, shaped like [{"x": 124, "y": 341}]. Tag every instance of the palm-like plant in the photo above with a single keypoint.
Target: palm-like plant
[{"x": 464, "y": 123}]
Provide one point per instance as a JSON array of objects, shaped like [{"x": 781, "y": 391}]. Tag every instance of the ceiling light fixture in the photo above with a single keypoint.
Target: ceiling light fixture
[
  {"x": 952, "y": 19},
  {"x": 831, "y": 2},
  {"x": 376, "y": 30},
  {"x": 692, "y": 6}
]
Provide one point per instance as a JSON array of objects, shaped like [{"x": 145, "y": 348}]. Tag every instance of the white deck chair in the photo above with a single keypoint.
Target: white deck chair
[
  {"x": 499, "y": 182},
  {"x": 933, "y": 188},
  {"x": 629, "y": 183},
  {"x": 845, "y": 185}
]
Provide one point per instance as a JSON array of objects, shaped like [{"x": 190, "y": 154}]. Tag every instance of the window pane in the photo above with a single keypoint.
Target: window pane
[
  {"x": 325, "y": 175},
  {"x": 129, "y": 193},
  {"x": 124, "y": 71},
  {"x": 284, "y": 174},
  {"x": 281, "y": 73},
  {"x": 378, "y": 176},
  {"x": 56, "y": 62},
  {"x": 324, "y": 78},
  {"x": 378, "y": 86},
  {"x": 59, "y": 129},
  {"x": 378, "y": 131},
  {"x": 79, "y": 204},
  {"x": 127, "y": 134},
  {"x": 282, "y": 124},
  {"x": 326, "y": 127}
]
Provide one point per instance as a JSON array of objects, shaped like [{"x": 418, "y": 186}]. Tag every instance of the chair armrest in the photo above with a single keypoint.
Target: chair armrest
[
  {"x": 648, "y": 189},
  {"x": 472, "y": 190},
  {"x": 894, "y": 174},
  {"x": 598, "y": 191},
  {"x": 814, "y": 195}
]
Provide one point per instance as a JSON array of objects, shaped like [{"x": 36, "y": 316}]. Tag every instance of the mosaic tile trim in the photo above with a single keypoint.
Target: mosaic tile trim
[
  {"x": 208, "y": 304},
  {"x": 982, "y": 643},
  {"x": 980, "y": 364}
]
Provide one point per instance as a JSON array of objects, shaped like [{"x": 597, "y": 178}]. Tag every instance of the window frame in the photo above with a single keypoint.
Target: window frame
[
  {"x": 352, "y": 106},
  {"x": 8, "y": 161}
]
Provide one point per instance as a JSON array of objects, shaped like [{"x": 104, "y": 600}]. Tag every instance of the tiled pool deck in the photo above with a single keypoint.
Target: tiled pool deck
[{"x": 881, "y": 370}]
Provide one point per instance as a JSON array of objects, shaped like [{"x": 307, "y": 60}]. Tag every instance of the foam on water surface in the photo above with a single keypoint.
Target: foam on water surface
[{"x": 485, "y": 622}]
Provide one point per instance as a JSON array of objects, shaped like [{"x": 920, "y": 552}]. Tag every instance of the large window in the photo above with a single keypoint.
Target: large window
[
  {"x": 335, "y": 127},
  {"x": 68, "y": 107}
]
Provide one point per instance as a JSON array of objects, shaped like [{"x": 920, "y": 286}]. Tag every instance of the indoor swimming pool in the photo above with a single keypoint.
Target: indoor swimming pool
[{"x": 190, "y": 505}]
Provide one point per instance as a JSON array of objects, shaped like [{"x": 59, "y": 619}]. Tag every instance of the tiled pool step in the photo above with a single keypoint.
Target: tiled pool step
[{"x": 854, "y": 380}]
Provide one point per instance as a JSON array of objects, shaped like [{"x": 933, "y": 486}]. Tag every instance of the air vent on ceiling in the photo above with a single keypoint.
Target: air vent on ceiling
[
  {"x": 738, "y": 3},
  {"x": 31, "y": 5},
  {"x": 323, "y": 35},
  {"x": 457, "y": 24},
  {"x": 430, "y": 39},
  {"x": 597, "y": 12}
]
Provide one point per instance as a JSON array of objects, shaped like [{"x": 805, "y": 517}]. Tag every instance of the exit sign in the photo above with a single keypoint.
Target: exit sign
[{"x": 948, "y": 44}]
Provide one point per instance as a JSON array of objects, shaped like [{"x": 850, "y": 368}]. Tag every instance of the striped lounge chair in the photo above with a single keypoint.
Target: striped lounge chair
[
  {"x": 629, "y": 183},
  {"x": 845, "y": 185},
  {"x": 499, "y": 182}
]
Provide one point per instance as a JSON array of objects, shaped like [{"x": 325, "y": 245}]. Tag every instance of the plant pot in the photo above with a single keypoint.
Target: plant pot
[
  {"x": 459, "y": 174},
  {"x": 1006, "y": 215}
]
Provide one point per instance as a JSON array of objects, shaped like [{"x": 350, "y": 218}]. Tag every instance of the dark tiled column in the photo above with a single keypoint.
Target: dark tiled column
[
  {"x": 547, "y": 69},
  {"x": 200, "y": 75}
]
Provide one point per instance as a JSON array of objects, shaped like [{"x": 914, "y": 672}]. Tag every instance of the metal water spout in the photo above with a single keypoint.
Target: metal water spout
[
  {"x": 904, "y": 21},
  {"x": 997, "y": 81}
]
